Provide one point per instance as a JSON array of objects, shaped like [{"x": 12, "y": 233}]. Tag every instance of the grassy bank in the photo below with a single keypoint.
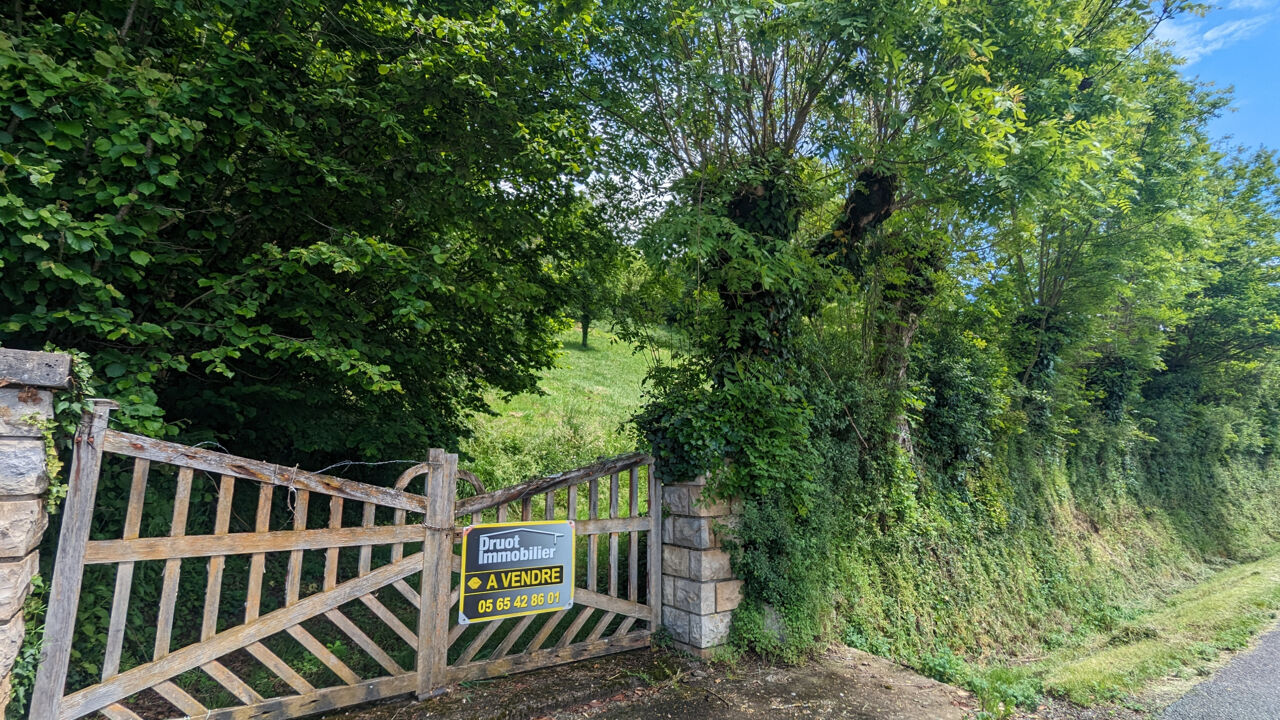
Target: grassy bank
[
  {"x": 1179, "y": 636},
  {"x": 587, "y": 400}
]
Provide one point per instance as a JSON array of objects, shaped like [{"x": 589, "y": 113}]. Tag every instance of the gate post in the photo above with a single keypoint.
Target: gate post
[
  {"x": 699, "y": 591},
  {"x": 64, "y": 591},
  {"x": 437, "y": 574},
  {"x": 27, "y": 380}
]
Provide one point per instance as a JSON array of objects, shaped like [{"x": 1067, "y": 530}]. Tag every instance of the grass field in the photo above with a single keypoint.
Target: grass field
[
  {"x": 584, "y": 413},
  {"x": 1179, "y": 638}
]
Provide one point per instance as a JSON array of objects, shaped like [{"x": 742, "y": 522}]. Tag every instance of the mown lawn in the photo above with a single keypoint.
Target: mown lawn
[
  {"x": 1181, "y": 637},
  {"x": 583, "y": 414}
]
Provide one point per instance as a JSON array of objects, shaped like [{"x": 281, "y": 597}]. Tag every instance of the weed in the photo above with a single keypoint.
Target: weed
[
  {"x": 944, "y": 666},
  {"x": 1000, "y": 690}
]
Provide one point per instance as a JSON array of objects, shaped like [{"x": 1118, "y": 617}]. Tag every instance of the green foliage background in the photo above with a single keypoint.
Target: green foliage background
[
  {"x": 959, "y": 297},
  {"x": 284, "y": 223}
]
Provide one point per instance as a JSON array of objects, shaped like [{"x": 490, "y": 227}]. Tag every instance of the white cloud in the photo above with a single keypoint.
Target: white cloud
[
  {"x": 1193, "y": 40},
  {"x": 1250, "y": 4}
]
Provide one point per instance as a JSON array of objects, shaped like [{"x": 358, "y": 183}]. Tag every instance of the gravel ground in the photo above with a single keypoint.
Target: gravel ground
[{"x": 1248, "y": 688}]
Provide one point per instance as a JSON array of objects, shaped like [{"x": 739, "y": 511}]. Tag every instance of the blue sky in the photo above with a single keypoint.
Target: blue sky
[{"x": 1237, "y": 43}]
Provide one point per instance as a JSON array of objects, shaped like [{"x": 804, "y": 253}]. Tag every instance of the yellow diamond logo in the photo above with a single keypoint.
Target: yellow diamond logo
[{"x": 473, "y": 583}]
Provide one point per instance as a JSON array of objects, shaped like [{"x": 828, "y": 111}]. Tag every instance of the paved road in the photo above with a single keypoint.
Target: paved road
[{"x": 1248, "y": 688}]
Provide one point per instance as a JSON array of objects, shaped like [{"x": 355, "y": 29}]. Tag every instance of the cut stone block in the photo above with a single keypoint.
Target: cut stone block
[
  {"x": 695, "y": 564},
  {"x": 675, "y": 561},
  {"x": 15, "y": 579},
  {"x": 699, "y": 590},
  {"x": 676, "y": 622},
  {"x": 698, "y": 533},
  {"x": 675, "y": 499},
  {"x": 39, "y": 369},
  {"x": 693, "y": 533},
  {"x": 10, "y": 643},
  {"x": 709, "y": 630},
  {"x": 709, "y": 565},
  {"x": 695, "y": 597},
  {"x": 689, "y": 499},
  {"x": 22, "y": 467},
  {"x": 18, "y": 405},
  {"x": 728, "y": 595},
  {"x": 701, "y": 653},
  {"x": 22, "y": 522}
]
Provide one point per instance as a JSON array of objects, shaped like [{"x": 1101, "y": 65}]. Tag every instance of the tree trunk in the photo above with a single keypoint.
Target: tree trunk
[
  {"x": 586, "y": 325},
  {"x": 912, "y": 267}
]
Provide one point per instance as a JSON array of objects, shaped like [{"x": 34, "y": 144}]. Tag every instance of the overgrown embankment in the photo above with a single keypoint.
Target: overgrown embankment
[
  {"x": 1083, "y": 566},
  {"x": 1049, "y": 548}
]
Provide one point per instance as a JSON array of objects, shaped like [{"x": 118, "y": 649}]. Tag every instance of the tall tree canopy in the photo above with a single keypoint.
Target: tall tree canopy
[
  {"x": 931, "y": 120},
  {"x": 307, "y": 225}
]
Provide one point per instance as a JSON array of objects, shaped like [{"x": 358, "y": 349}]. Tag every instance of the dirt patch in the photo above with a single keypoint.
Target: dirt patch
[
  {"x": 844, "y": 683},
  {"x": 539, "y": 693}
]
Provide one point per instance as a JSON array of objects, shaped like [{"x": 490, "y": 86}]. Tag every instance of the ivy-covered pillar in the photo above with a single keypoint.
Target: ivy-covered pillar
[
  {"x": 699, "y": 591},
  {"x": 27, "y": 380}
]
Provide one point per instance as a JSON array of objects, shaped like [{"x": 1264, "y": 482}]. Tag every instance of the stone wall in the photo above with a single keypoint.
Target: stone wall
[
  {"x": 699, "y": 592},
  {"x": 26, "y": 402}
]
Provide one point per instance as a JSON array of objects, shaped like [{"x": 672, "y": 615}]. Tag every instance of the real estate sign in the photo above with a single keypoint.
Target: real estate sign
[{"x": 513, "y": 569}]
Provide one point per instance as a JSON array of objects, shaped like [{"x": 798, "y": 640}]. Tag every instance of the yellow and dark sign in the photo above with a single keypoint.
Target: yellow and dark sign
[{"x": 512, "y": 569}]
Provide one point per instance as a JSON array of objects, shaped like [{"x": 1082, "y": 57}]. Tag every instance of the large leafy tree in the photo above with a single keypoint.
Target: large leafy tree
[
  {"x": 1232, "y": 318},
  {"x": 1092, "y": 254},
  {"x": 307, "y": 226},
  {"x": 928, "y": 118},
  {"x": 815, "y": 145}
]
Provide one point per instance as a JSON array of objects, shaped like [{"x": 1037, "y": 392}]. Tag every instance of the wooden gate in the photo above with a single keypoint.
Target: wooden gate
[{"x": 377, "y": 618}]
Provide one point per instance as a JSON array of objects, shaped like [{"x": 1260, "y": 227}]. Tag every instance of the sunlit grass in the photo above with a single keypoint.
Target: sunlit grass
[
  {"x": 1222, "y": 613},
  {"x": 584, "y": 414}
]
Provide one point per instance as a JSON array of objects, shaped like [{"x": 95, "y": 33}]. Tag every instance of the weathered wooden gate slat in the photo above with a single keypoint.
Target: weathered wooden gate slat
[
  {"x": 320, "y": 700},
  {"x": 279, "y": 668},
  {"x": 585, "y": 612},
  {"x": 213, "y": 585},
  {"x": 77, "y": 513},
  {"x": 323, "y": 654},
  {"x": 608, "y": 603},
  {"x": 124, "y": 573},
  {"x": 359, "y": 638},
  {"x": 609, "y": 621},
  {"x": 179, "y": 661},
  {"x": 233, "y": 684},
  {"x": 545, "y": 658},
  {"x": 437, "y": 554},
  {"x": 219, "y": 463},
  {"x": 505, "y": 646},
  {"x": 246, "y": 543},
  {"x": 169, "y": 589},
  {"x": 258, "y": 561},
  {"x": 180, "y": 699},
  {"x": 119, "y": 712},
  {"x": 393, "y": 622},
  {"x": 540, "y": 485}
]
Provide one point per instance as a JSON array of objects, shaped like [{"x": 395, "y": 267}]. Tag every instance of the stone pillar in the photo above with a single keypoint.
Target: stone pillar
[
  {"x": 26, "y": 402},
  {"x": 699, "y": 592}
]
